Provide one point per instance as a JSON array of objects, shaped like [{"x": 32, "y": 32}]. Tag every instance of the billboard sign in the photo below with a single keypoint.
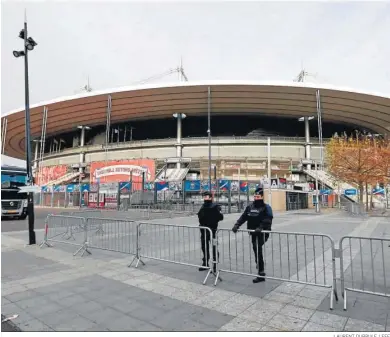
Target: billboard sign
[
  {"x": 351, "y": 191},
  {"x": 224, "y": 185},
  {"x": 192, "y": 185},
  {"x": 117, "y": 171},
  {"x": 378, "y": 191},
  {"x": 47, "y": 174}
]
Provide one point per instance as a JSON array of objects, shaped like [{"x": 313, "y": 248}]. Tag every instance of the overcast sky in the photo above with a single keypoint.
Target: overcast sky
[{"x": 119, "y": 43}]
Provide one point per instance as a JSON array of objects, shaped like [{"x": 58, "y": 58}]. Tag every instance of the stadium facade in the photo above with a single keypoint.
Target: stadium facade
[{"x": 162, "y": 130}]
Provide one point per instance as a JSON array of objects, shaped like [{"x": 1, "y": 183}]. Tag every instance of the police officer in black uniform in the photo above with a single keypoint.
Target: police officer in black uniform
[
  {"x": 258, "y": 216},
  {"x": 209, "y": 215}
]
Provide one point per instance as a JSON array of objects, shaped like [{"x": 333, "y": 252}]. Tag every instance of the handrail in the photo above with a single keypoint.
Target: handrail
[{"x": 188, "y": 140}]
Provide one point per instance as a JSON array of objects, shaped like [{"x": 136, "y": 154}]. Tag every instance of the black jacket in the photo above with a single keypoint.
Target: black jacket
[
  {"x": 209, "y": 215},
  {"x": 256, "y": 217}
]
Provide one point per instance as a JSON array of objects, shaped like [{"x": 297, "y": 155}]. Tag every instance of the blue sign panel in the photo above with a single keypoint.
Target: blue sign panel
[
  {"x": 224, "y": 185},
  {"x": 70, "y": 188},
  {"x": 124, "y": 186},
  {"x": 162, "y": 186},
  {"x": 84, "y": 188},
  {"x": 351, "y": 191},
  {"x": 192, "y": 185},
  {"x": 378, "y": 191},
  {"x": 243, "y": 186},
  {"x": 325, "y": 192},
  {"x": 59, "y": 188}
]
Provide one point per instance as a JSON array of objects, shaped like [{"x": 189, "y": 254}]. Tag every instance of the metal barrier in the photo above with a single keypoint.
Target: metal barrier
[
  {"x": 116, "y": 235},
  {"x": 305, "y": 258},
  {"x": 369, "y": 275},
  {"x": 160, "y": 211},
  {"x": 90, "y": 213},
  {"x": 65, "y": 229},
  {"x": 175, "y": 244}
]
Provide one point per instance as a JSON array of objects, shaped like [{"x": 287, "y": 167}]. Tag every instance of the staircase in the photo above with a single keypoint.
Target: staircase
[
  {"x": 172, "y": 174},
  {"x": 64, "y": 179},
  {"x": 331, "y": 182}
]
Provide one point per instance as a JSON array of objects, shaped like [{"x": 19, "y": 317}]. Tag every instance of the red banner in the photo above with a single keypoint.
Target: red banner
[
  {"x": 120, "y": 170},
  {"x": 49, "y": 173}
]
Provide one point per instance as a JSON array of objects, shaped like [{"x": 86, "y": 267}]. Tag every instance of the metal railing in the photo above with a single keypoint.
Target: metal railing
[
  {"x": 176, "y": 244},
  {"x": 354, "y": 208},
  {"x": 306, "y": 258},
  {"x": 186, "y": 140},
  {"x": 117, "y": 235},
  {"x": 65, "y": 229},
  {"x": 364, "y": 266}
]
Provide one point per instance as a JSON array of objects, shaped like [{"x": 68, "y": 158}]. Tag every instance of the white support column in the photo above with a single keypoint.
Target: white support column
[
  {"x": 82, "y": 143},
  {"x": 307, "y": 141},
  {"x": 35, "y": 166},
  {"x": 307, "y": 120},
  {"x": 269, "y": 171},
  {"x": 179, "y": 145}
]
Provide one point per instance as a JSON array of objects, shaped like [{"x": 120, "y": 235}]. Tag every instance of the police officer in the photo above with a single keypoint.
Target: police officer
[
  {"x": 209, "y": 215},
  {"x": 258, "y": 216}
]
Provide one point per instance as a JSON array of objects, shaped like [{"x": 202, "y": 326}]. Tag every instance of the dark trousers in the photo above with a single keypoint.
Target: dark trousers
[
  {"x": 258, "y": 241},
  {"x": 205, "y": 242}
]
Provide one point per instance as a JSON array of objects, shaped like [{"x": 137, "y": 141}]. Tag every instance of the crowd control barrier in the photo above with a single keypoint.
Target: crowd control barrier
[
  {"x": 364, "y": 266},
  {"x": 177, "y": 244},
  {"x": 118, "y": 235},
  {"x": 305, "y": 258}
]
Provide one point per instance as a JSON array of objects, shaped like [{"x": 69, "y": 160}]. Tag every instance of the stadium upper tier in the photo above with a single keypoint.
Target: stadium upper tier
[{"x": 345, "y": 106}]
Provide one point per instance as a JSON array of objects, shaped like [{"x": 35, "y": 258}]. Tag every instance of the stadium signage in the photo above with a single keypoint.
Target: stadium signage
[{"x": 122, "y": 169}]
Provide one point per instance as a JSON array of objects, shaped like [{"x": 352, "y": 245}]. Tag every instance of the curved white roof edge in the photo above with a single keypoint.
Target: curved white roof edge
[{"x": 198, "y": 83}]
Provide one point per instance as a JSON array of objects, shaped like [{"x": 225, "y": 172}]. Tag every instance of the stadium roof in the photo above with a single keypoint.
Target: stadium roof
[{"x": 344, "y": 105}]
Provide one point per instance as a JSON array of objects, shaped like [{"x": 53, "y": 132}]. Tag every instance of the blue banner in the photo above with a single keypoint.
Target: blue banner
[
  {"x": 243, "y": 186},
  {"x": 192, "y": 185},
  {"x": 84, "y": 188},
  {"x": 325, "y": 192},
  {"x": 224, "y": 185},
  {"x": 125, "y": 186},
  {"x": 70, "y": 188},
  {"x": 378, "y": 191},
  {"x": 161, "y": 186},
  {"x": 351, "y": 191},
  {"x": 59, "y": 188}
]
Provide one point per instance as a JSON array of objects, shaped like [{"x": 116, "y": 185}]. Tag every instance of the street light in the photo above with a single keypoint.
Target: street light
[{"x": 29, "y": 45}]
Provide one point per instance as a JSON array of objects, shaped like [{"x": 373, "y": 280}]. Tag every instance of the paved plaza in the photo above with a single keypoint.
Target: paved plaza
[{"x": 52, "y": 290}]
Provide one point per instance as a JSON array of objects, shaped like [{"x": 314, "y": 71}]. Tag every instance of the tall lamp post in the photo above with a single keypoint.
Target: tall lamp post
[{"x": 29, "y": 45}]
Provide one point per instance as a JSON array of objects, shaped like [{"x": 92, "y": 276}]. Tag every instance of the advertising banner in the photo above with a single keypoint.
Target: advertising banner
[
  {"x": 224, "y": 185},
  {"x": 108, "y": 188},
  {"x": 204, "y": 185},
  {"x": 162, "y": 186},
  {"x": 125, "y": 186},
  {"x": 116, "y": 171},
  {"x": 85, "y": 188},
  {"x": 378, "y": 191},
  {"x": 192, "y": 185},
  {"x": 351, "y": 191},
  {"x": 59, "y": 188},
  {"x": 243, "y": 186},
  {"x": 50, "y": 173},
  {"x": 282, "y": 183}
]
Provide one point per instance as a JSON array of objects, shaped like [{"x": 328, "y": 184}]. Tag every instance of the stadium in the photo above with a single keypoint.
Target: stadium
[{"x": 162, "y": 131}]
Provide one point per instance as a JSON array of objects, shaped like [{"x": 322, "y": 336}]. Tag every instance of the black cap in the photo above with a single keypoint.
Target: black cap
[
  {"x": 207, "y": 194},
  {"x": 259, "y": 191}
]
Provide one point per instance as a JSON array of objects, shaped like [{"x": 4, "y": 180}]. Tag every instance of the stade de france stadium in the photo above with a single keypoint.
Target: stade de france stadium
[{"x": 163, "y": 130}]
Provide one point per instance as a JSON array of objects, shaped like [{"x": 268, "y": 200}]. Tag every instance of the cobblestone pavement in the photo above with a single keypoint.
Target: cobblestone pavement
[{"x": 52, "y": 290}]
